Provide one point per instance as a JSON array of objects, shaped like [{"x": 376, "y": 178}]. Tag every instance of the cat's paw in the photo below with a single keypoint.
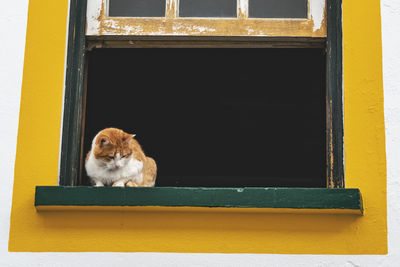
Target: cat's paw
[
  {"x": 119, "y": 184},
  {"x": 131, "y": 184},
  {"x": 99, "y": 184}
]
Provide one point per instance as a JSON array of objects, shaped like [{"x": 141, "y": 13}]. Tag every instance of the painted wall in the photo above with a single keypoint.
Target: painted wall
[{"x": 12, "y": 32}]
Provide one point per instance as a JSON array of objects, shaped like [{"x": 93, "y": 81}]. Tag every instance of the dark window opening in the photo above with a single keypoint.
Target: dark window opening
[
  {"x": 215, "y": 117},
  {"x": 136, "y": 8},
  {"x": 208, "y": 8},
  {"x": 278, "y": 8}
]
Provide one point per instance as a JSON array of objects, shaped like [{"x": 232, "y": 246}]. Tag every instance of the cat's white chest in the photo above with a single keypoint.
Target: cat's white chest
[{"x": 99, "y": 173}]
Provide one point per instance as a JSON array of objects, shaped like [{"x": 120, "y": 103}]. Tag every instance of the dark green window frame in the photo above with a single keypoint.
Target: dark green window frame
[{"x": 74, "y": 102}]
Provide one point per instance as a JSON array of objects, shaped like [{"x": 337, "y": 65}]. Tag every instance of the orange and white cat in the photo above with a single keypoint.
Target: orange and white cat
[{"x": 117, "y": 159}]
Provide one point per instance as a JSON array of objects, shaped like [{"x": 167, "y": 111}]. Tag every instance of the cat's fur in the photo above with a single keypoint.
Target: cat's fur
[{"x": 117, "y": 159}]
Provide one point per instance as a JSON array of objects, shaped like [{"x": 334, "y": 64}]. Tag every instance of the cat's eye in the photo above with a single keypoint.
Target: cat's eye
[{"x": 110, "y": 157}]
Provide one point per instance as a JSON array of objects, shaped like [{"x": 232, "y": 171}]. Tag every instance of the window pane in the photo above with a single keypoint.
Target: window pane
[
  {"x": 137, "y": 8},
  {"x": 207, "y": 8},
  {"x": 278, "y": 8}
]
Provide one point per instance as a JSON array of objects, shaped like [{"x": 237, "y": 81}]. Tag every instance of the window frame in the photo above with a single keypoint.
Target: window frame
[
  {"x": 100, "y": 24},
  {"x": 74, "y": 100}
]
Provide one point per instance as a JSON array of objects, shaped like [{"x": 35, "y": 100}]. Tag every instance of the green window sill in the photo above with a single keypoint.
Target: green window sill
[{"x": 255, "y": 199}]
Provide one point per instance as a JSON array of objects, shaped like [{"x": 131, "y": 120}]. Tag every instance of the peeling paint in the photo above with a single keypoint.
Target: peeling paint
[
  {"x": 317, "y": 11},
  {"x": 171, "y": 4},
  {"x": 171, "y": 9},
  {"x": 211, "y": 27},
  {"x": 93, "y": 16},
  {"x": 99, "y": 24},
  {"x": 202, "y": 29},
  {"x": 243, "y": 9}
]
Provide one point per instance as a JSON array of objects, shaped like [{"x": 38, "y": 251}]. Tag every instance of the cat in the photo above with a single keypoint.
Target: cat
[{"x": 117, "y": 159}]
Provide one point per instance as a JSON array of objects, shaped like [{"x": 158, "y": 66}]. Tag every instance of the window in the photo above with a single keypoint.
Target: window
[
  {"x": 216, "y": 228},
  {"x": 208, "y": 18},
  {"x": 249, "y": 82}
]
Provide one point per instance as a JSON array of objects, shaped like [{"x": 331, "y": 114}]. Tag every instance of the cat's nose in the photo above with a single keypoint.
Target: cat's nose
[{"x": 117, "y": 165}]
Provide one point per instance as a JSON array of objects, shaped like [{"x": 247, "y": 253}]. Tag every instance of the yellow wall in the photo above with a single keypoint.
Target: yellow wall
[{"x": 191, "y": 230}]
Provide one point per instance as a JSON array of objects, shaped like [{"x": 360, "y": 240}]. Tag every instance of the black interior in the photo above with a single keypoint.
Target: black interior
[{"x": 215, "y": 117}]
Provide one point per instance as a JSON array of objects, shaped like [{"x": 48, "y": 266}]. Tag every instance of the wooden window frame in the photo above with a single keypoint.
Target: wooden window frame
[
  {"x": 74, "y": 100},
  {"x": 100, "y": 24}
]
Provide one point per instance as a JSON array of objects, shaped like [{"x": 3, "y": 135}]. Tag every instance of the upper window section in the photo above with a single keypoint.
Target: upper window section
[
  {"x": 136, "y": 8},
  {"x": 265, "y": 18},
  {"x": 278, "y": 8},
  {"x": 208, "y": 8}
]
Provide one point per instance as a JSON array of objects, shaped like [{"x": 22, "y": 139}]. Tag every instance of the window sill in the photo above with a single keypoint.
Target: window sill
[{"x": 275, "y": 200}]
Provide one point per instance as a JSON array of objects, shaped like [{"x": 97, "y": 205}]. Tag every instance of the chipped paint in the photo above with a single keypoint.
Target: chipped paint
[
  {"x": 171, "y": 11},
  {"x": 243, "y": 9},
  {"x": 317, "y": 12},
  {"x": 93, "y": 16},
  {"x": 208, "y": 27},
  {"x": 99, "y": 24},
  {"x": 171, "y": 4}
]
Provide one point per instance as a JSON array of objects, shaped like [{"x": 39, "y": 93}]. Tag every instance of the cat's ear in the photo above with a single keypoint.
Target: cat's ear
[
  {"x": 129, "y": 137},
  {"x": 104, "y": 141}
]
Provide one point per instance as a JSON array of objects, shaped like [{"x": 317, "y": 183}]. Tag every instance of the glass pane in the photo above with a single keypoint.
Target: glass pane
[
  {"x": 136, "y": 8},
  {"x": 278, "y": 8},
  {"x": 207, "y": 8}
]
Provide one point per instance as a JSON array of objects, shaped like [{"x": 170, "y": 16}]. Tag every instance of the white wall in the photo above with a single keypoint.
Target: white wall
[
  {"x": 390, "y": 10},
  {"x": 12, "y": 41}
]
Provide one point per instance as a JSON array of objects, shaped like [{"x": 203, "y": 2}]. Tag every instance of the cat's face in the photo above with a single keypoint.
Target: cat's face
[{"x": 112, "y": 148}]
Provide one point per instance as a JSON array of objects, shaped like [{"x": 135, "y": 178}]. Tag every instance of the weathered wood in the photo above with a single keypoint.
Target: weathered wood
[
  {"x": 267, "y": 43},
  {"x": 334, "y": 104},
  {"x": 100, "y": 24},
  {"x": 291, "y": 198},
  {"x": 74, "y": 95}
]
